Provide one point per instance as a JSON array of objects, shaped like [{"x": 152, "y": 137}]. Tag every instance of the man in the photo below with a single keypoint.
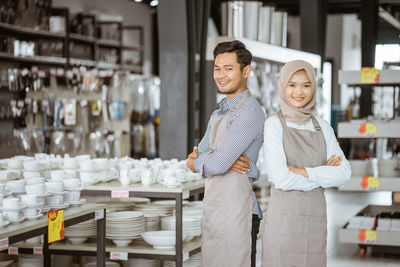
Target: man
[{"x": 234, "y": 133}]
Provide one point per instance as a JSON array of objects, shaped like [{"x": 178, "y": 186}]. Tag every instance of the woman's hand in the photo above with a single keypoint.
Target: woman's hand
[
  {"x": 334, "y": 161},
  {"x": 241, "y": 165},
  {"x": 300, "y": 171}
]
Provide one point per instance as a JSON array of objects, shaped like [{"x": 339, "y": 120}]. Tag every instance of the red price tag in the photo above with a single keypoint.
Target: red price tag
[
  {"x": 3, "y": 244},
  {"x": 37, "y": 251},
  {"x": 13, "y": 251},
  {"x": 98, "y": 215},
  {"x": 119, "y": 194},
  {"x": 119, "y": 256}
]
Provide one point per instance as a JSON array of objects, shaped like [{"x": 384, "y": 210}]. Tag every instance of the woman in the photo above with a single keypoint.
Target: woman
[{"x": 302, "y": 158}]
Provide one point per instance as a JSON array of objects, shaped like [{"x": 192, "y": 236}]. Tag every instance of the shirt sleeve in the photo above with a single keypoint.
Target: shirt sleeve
[
  {"x": 330, "y": 176},
  {"x": 246, "y": 125},
  {"x": 275, "y": 160},
  {"x": 204, "y": 145}
]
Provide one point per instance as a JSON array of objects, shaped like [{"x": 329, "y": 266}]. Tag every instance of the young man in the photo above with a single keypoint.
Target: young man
[{"x": 235, "y": 131}]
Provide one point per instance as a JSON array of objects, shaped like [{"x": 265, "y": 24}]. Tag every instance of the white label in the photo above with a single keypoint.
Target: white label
[
  {"x": 119, "y": 256},
  {"x": 185, "y": 256},
  {"x": 3, "y": 244},
  {"x": 119, "y": 194},
  {"x": 99, "y": 214},
  {"x": 13, "y": 251},
  {"x": 185, "y": 195},
  {"x": 37, "y": 251}
]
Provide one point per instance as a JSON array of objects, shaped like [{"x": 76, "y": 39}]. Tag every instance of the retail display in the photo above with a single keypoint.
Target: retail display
[
  {"x": 193, "y": 261},
  {"x": 124, "y": 226}
]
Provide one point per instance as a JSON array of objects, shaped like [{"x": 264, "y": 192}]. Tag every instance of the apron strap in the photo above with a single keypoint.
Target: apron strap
[
  {"x": 283, "y": 121},
  {"x": 241, "y": 100},
  {"x": 314, "y": 120}
]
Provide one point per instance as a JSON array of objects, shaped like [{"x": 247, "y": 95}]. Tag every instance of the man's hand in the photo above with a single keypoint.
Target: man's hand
[
  {"x": 191, "y": 158},
  {"x": 301, "y": 171},
  {"x": 241, "y": 165},
  {"x": 334, "y": 161}
]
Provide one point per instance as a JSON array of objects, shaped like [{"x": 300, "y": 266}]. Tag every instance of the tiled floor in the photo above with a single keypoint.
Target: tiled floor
[{"x": 341, "y": 207}]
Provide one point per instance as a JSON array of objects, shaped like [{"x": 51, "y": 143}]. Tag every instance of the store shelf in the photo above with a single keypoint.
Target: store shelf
[
  {"x": 29, "y": 31},
  {"x": 133, "y": 48},
  {"x": 84, "y": 62},
  {"x": 265, "y": 51},
  {"x": 82, "y": 38},
  {"x": 63, "y": 92},
  {"x": 353, "y": 78},
  {"x": 386, "y": 184},
  {"x": 35, "y": 59},
  {"x": 352, "y": 129},
  {"x": 353, "y": 236},
  {"x": 109, "y": 66},
  {"x": 133, "y": 68},
  {"x": 109, "y": 43}
]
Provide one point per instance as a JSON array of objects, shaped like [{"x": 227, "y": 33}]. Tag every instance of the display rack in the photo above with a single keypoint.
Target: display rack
[
  {"x": 381, "y": 240},
  {"x": 376, "y": 129},
  {"x": 179, "y": 193},
  {"x": 28, "y": 229},
  {"x": 385, "y": 184},
  {"x": 353, "y": 78}
]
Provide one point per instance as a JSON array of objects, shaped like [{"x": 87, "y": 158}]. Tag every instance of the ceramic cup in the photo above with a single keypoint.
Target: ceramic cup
[
  {"x": 14, "y": 164},
  {"x": 56, "y": 199},
  {"x": 32, "y": 181},
  {"x": 36, "y": 189},
  {"x": 13, "y": 216},
  {"x": 11, "y": 203},
  {"x": 57, "y": 175},
  {"x": 31, "y": 175},
  {"x": 16, "y": 186},
  {"x": 54, "y": 186},
  {"x": 31, "y": 165},
  {"x": 30, "y": 212},
  {"x": 70, "y": 163},
  {"x": 73, "y": 196},
  {"x": 72, "y": 183},
  {"x": 87, "y": 165},
  {"x": 32, "y": 201}
]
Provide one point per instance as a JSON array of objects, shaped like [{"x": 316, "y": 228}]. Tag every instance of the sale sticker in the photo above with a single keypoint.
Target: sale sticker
[
  {"x": 367, "y": 236},
  {"x": 370, "y": 182},
  {"x": 119, "y": 256},
  {"x": 55, "y": 225},
  {"x": 37, "y": 251},
  {"x": 368, "y": 128},
  {"x": 185, "y": 256},
  {"x": 3, "y": 244},
  {"x": 12, "y": 251},
  {"x": 98, "y": 215},
  {"x": 370, "y": 75},
  {"x": 119, "y": 194}
]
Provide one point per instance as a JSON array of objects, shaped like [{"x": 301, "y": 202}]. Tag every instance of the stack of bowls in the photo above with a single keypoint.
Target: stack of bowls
[
  {"x": 152, "y": 222},
  {"x": 56, "y": 198},
  {"x": 80, "y": 232},
  {"x": 70, "y": 167},
  {"x": 124, "y": 226},
  {"x": 152, "y": 209},
  {"x": 191, "y": 226},
  {"x": 25, "y": 260},
  {"x": 161, "y": 239}
]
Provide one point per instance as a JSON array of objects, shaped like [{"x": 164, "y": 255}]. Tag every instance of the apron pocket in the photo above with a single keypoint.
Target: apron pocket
[{"x": 214, "y": 217}]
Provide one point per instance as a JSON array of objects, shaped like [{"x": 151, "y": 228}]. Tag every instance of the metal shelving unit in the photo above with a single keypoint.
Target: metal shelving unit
[
  {"x": 385, "y": 184},
  {"x": 353, "y": 78},
  {"x": 28, "y": 229},
  {"x": 182, "y": 251}
]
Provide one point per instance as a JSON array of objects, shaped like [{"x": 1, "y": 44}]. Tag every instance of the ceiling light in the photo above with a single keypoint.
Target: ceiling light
[
  {"x": 138, "y": 1},
  {"x": 154, "y": 3}
]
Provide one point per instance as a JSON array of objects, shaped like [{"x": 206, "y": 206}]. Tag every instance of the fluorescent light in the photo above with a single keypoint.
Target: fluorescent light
[
  {"x": 154, "y": 3},
  {"x": 138, "y": 1}
]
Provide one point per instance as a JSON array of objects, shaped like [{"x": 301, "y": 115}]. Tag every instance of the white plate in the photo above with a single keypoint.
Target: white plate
[
  {"x": 19, "y": 220},
  {"x": 80, "y": 188},
  {"x": 5, "y": 223},
  {"x": 60, "y": 206},
  {"x": 31, "y": 218},
  {"x": 77, "y": 202}
]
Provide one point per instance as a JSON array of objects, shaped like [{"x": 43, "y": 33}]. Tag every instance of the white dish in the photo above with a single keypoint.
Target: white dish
[
  {"x": 77, "y": 202},
  {"x": 58, "y": 207},
  {"x": 31, "y": 218},
  {"x": 77, "y": 240},
  {"x": 122, "y": 242},
  {"x": 17, "y": 221}
]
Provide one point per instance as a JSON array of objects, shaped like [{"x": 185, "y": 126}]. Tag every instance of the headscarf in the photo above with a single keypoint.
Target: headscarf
[{"x": 291, "y": 113}]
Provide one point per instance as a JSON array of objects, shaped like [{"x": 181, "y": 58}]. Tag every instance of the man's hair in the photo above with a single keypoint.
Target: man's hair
[{"x": 242, "y": 54}]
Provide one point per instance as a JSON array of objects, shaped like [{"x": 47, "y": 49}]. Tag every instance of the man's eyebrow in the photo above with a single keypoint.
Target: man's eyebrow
[{"x": 228, "y": 65}]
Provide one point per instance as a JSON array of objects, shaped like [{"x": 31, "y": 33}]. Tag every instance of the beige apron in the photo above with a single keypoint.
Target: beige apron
[
  {"x": 227, "y": 210},
  {"x": 295, "y": 229}
]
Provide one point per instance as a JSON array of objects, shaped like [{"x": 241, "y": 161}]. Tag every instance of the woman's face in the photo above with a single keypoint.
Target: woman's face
[{"x": 298, "y": 91}]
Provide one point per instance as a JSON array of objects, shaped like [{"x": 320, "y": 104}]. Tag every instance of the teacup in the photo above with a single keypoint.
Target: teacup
[
  {"x": 54, "y": 186},
  {"x": 171, "y": 180},
  {"x": 82, "y": 157},
  {"x": 102, "y": 175},
  {"x": 14, "y": 164},
  {"x": 124, "y": 178},
  {"x": 16, "y": 186},
  {"x": 147, "y": 179},
  {"x": 55, "y": 199},
  {"x": 87, "y": 165},
  {"x": 73, "y": 196},
  {"x": 70, "y": 163},
  {"x": 32, "y": 201},
  {"x": 32, "y": 181},
  {"x": 36, "y": 189},
  {"x": 31, "y": 165},
  {"x": 88, "y": 178},
  {"x": 30, "y": 211},
  {"x": 101, "y": 163},
  {"x": 72, "y": 183},
  {"x": 31, "y": 175},
  {"x": 11, "y": 203},
  {"x": 70, "y": 174},
  {"x": 135, "y": 175},
  {"x": 57, "y": 175},
  {"x": 13, "y": 216}
]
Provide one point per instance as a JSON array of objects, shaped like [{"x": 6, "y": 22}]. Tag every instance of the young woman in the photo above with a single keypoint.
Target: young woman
[{"x": 302, "y": 158}]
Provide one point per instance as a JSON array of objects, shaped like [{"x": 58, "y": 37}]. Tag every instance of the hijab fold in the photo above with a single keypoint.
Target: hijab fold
[{"x": 291, "y": 113}]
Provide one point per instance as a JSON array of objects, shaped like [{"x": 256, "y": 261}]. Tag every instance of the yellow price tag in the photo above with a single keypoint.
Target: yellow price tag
[
  {"x": 55, "y": 225},
  {"x": 370, "y": 75},
  {"x": 370, "y": 182},
  {"x": 368, "y": 236},
  {"x": 368, "y": 128}
]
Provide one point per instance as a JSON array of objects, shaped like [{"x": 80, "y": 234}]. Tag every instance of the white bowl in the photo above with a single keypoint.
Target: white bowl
[
  {"x": 77, "y": 240},
  {"x": 31, "y": 175},
  {"x": 122, "y": 242},
  {"x": 161, "y": 239},
  {"x": 14, "y": 163}
]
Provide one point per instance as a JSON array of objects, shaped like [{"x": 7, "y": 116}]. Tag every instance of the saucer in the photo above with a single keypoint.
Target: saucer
[
  {"x": 77, "y": 202},
  {"x": 79, "y": 188},
  {"x": 34, "y": 217},
  {"x": 19, "y": 220},
  {"x": 59, "y": 206},
  {"x": 45, "y": 209},
  {"x": 5, "y": 223}
]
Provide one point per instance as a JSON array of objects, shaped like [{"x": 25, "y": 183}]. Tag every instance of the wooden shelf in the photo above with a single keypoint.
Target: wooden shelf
[
  {"x": 82, "y": 38},
  {"x": 134, "y": 48},
  {"x": 386, "y": 184},
  {"x": 84, "y": 62},
  {"x": 109, "y": 43},
  {"x": 378, "y": 129},
  {"x": 35, "y": 59},
  {"x": 30, "y": 31},
  {"x": 353, "y": 78}
]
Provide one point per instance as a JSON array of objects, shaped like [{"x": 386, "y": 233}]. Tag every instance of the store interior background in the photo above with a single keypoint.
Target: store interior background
[{"x": 176, "y": 67}]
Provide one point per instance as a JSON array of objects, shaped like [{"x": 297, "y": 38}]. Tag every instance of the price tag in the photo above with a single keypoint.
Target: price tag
[
  {"x": 3, "y": 244},
  {"x": 370, "y": 182},
  {"x": 185, "y": 195},
  {"x": 119, "y": 194},
  {"x": 56, "y": 225},
  {"x": 37, "y": 251},
  {"x": 369, "y": 75},
  {"x": 367, "y": 236},
  {"x": 119, "y": 256},
  {"x": 185, "y": 256},
  {"x": 98, "y": 215},
  {"x": 368, "y": 128},
  {"x": 13, "y": 251}
]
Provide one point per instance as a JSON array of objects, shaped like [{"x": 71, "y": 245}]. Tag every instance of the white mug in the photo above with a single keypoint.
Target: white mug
[
  {"x": 31, "y": 165},
  {"x": 56, "y": 199},
  {"x": 31, "y": 175},
  {"x": 36, "y": 189},
  {"x": 124, "y": 178},
  {"x": 147, "y": 180},
  {"x": 16, "y": 186},
  {"x": 70, "y": 163},
  {"x": 32, "y": 181},
  {"x": 57, "y": 175},
  {"x": 11, "y": 203},
  {"x": 13, "y": 216},
  {"x": 73, "y": 196},
  {"x": 55, "y": 186},
  {"x": 32, "y": 201}
]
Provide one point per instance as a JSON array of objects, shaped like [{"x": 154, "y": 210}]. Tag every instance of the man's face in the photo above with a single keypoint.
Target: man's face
[{"x": 227, "y": 74}]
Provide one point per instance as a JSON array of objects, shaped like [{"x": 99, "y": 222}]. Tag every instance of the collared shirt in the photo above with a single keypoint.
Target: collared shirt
[{"x": 244, "y": 136}]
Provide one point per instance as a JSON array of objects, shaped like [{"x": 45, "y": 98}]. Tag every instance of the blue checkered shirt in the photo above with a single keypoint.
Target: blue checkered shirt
[{"x": 244, "y": 136}]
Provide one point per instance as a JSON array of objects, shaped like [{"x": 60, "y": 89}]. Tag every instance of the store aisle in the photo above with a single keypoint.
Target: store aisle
[{"x": 341, "y": 207}]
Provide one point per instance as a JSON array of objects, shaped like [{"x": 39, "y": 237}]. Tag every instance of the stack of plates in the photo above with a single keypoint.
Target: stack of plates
[
  {"x": 193, "y": 261},
  {"x": 193, "y": 211},
  {"x": 25, "y": 260},
  {"x": 124, "y": 226},
  {"x": 141, "y": 263},
  {"x": 155, "y": 209},
  {"x": 191, "y": 226},
  {"x": 108, "y": 264},
  {"x": 152, "y": 222},
  {"x": 80, "y": 232}
]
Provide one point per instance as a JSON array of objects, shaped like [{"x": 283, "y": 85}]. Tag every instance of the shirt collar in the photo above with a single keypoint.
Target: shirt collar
[{"x": 229, "y": 104}]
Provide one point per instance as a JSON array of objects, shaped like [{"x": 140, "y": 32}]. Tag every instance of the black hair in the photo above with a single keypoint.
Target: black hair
[{"x": 242, "y": 54}]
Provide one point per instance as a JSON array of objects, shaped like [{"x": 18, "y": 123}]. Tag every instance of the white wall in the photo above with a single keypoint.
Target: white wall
[{"x": 132, "y": 13}]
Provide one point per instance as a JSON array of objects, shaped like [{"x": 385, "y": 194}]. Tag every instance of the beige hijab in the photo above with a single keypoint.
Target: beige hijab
[{"x": 291, "y": 113}]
